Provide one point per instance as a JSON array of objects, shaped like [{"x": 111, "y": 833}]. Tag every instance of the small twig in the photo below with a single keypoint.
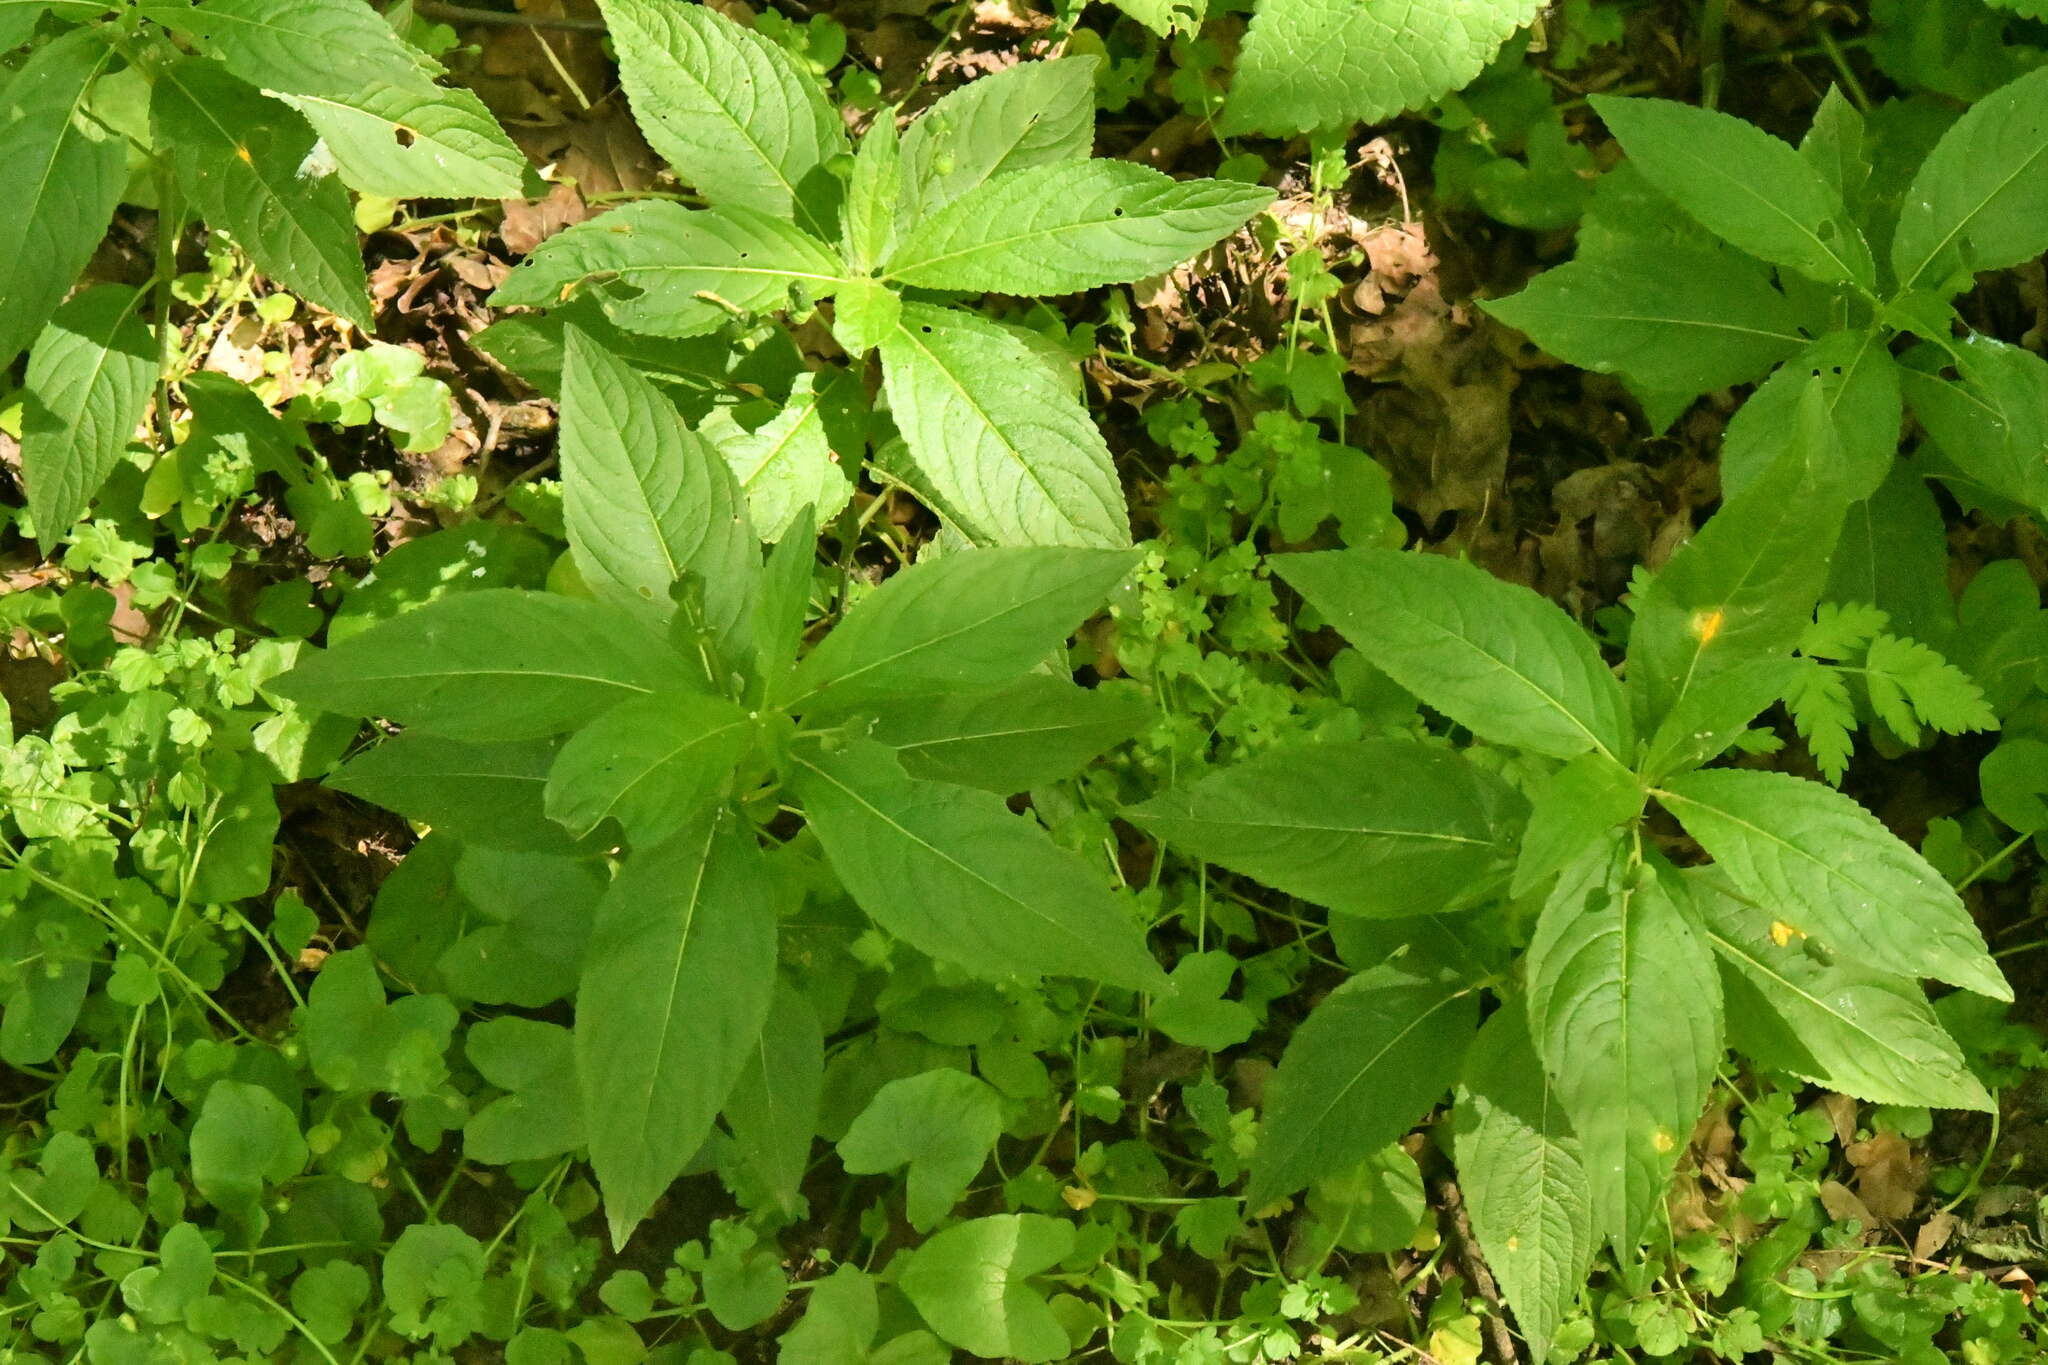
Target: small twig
[
  {"x": 1499, "y": 1339},
  {"x": 470, "y": 14}
]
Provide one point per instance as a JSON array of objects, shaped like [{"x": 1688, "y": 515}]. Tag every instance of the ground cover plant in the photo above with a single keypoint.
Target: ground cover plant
[{"x": 1163, "y": 683}]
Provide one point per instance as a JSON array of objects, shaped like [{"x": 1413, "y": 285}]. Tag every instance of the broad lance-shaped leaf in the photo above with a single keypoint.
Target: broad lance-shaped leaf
[
  {"x": 787, "y": 463},
  {"x": 676, "y": 987},
  {"x": 1012, "y": 457},
  {"x": 1520, "y": 1171},
  {"x": 874, "y": 194},
  {"x": 372, "y": 98},
  {"x": 483, "y": 793},
  {"x": 995, "y": 894},
  {"x": 414, "y": 141},
  {"x": 1311, "y": 64},
  {"x": 1071, "y": 225},
  {"x": 1677, "y": 319},
  {"x": 306, "y": 45},
  {"x": 1745, "y": 186},
  {"x": 1378, "y": 827},
  {"x": 1859, "y": 384},
  {"x": 1359, "y": 1071},
  {"x": 1980, "y": 200},
  {"x": 968, "y": 619},
  {"x": 731, "y": 111},
  {"x": 1824, "y": 866},
  {"x": 89, "y": 381},
  {"x": 1743, "y": 588},
  {"x": 1991, "y": 422},
  {"x": 238, "y": 158},
  {"x": 1625, "y": 1010},
  {"x": 653, "y": 765},
  {"x": 1493, "y": 656},
  {"x": 646, "y": 499},
  {"x": 773, "y": 1107},
  {"x": 1031, "y": 114},
  {"x": 658, "y": 268},
  {"x": 498, "y": 664},
  {"x": 1039, "y": 729},
  {"x": 1835, "y": 1023},
  {"x": 60, "y": 177}
]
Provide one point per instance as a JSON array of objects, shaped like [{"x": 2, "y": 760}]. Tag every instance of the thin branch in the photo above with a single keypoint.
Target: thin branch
[{"x": 470, "y": 14}]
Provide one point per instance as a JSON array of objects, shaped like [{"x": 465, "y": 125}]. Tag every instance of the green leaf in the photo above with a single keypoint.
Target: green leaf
[
  {"x": 773, "y": 1107},
  {"x": 1745, "y": 186},
  {"x": 841, "y": 1314},
  {"x": 658, "y": 268},
  {"x": 1359, "y": 1071},
  {"x": 1713, "y": 713},
  {"x": 243, "y": 1140},
  {"x": 90, "y": 377},
  {"x": 499, "y": 664},
  {"x": 1311, "y": 64},
  {"x": 941, "y": 1124},
  {"x": 675, "y": 990},
  {"x": 1836, "y": 145},
  {"x": 1859, "y": 383},
  {"x": 61, "y": 174},
  {"x": 1493, "y": 656},
  {"x": 1068, "y": 226},
  {"x": 542, "y": 1114},
  {"x": 1033, "y": 732},
  {"x": 646, "y": 499},
  {"x": 1575, "y": 810},
  {"x": 1991, "y": 421},
  {"x": 994, "y": 893},
  {"x": 970, "y": 1284},
  {"x": 529, "y": 921},
  {"x": 433, "y": 1279},
  {"x": 358, "y": 1043},
  {"x": 1625, "y": 1010},
  {"x": 782, "y": 608},
  {"x": 1910, "y": 685},
  {"x": 868, "y": 234},
  {"x": 488, "y": 793},
  {"x": 238, "y": 157},
  {"x": 184, "y": 1271},
  {"x": 1825, "y": 866},
  {"x": 1980, "y": 200},
  {"x": 1197, "y": 1013},
  {"x": 2012, "y": 779},
  {"x": 414, "y": 141},
  {"x": 735, "y": 114},
  {"x": 1376, "y": 827},
  {"x": 787, "y": 463},
  {"x": 1744, "y": 588},
  {"x": 865, "y": 314},
  {"x": 1520, "y": 1171},
  {"x": 963, "y": 620},
  {"x": 1012, "y": 458},
  {"x": 328, "y": 1296},
  {"x": 304, "y": 45},
  {"x": 1676, "y": 319},
  {"x": 653, "y": 765},
  {"x": 388, "y": 127},
  {"x": 1031, "y": 114},
  {"x": 1838, "y": 1024}
]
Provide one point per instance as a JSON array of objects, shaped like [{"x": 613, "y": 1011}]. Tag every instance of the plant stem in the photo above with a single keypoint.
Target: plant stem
[{"x": 471, "y": 14}]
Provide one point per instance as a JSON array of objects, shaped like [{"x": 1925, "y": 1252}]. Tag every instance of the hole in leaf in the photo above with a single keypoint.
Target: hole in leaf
[{"x": 404, "y": 136}]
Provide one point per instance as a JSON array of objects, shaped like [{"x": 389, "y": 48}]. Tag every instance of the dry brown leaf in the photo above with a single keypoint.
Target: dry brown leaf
[{"x": 1889, "y": 1174}]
